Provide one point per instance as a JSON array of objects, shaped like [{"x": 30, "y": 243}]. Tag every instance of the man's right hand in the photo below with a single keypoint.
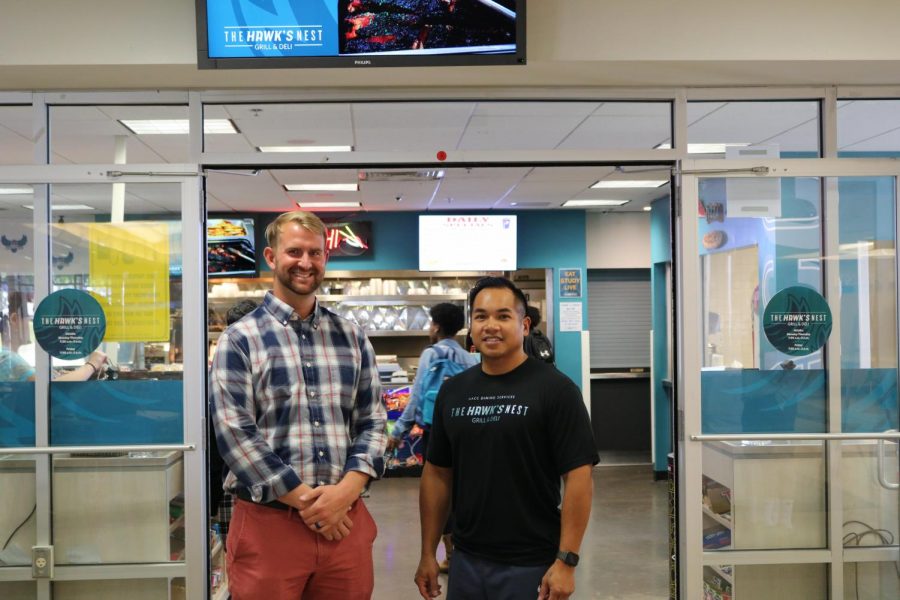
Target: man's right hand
[
  {"x": 392, "y": 443},
  {"x": 427, "y": 578},
  {"x": 338, "y": 531}
]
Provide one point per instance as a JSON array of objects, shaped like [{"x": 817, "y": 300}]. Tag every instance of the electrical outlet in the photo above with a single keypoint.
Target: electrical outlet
[{"x": 42, "y": 562}]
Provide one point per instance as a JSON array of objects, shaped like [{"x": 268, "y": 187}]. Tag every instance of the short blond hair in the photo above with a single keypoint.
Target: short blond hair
[{"x": 306, "y": 220}]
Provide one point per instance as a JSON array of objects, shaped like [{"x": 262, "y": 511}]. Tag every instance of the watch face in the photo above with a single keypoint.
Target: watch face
[{"x": 569, "y": 558}]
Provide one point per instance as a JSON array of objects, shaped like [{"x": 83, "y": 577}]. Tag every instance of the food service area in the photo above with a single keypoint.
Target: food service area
[{"x": 711, "y": 248}]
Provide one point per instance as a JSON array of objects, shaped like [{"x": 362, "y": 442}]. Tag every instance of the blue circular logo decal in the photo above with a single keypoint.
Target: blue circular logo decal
[
  {"x": 69, "y": 324},
  {"x": 797, "y": 321}
]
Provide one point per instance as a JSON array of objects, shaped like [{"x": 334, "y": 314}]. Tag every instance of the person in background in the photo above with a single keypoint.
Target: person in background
[
  {"x": 502, "y": 438},
  {"x": 536, "y": 343},
  {"x": 300, "y": 423},
  {"x": 221, "y": 503},
  {"x": 446, "y": 321}
]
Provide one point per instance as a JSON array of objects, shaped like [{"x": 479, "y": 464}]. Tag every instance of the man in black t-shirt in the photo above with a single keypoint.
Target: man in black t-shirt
[{"x": 503, "y": 435}]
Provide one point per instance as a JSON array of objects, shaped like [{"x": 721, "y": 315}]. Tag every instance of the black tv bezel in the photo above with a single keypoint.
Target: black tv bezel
[
  {"x": 257, "y": 250},
  {"x": 358, "y": 61}
]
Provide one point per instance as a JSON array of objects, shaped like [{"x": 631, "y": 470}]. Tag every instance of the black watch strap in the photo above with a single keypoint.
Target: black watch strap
[{"x": 569, "y": 558}]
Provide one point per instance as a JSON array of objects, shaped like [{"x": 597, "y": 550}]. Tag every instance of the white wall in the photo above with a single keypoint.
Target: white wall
[
  {"x": 618, "y": 240},
  {"x": 50, "y": 44}
]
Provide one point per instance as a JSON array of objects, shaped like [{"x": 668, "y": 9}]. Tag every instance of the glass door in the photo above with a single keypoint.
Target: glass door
[
  {"x": 101, "y": 453},
  {"x": 788, "y": 403}
]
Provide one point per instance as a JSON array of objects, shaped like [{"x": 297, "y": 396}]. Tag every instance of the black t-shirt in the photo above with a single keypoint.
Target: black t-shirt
[{"x": 508, "y": 439}]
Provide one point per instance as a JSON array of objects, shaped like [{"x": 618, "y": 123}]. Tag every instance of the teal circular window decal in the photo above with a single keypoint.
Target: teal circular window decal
[
  {"x": 797, "y": 321},
  {"x": 69, "y": 324}
]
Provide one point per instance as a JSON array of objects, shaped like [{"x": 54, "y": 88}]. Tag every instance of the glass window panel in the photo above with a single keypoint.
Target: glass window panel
[
  {"x": 868, "y": 303},
  {"x": 433, "y": 126},
  {"x": 17, "y": 507},
  {"x": 118, "y": 508},
  {"x": 765, "y": 582},
  {"x": 871, "y": 492},
  {"x": 871, "y": 580},
  {"x": 757, "y": 238},
  {"x": 16, "y": 312},
  {"x": 755, "y": 129},
  {"x": 132, "y": 267},
  {"x": 868, "y": 128},
  {"x": 763, "y": 495},
  {"x": 16, "y": 136},
  {"x": 128, "y": 134},
  {"x": 18, "y": 590}
]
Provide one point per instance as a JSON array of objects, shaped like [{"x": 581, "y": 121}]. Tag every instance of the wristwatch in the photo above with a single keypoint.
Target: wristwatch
[{"x": 568, "y": 558}]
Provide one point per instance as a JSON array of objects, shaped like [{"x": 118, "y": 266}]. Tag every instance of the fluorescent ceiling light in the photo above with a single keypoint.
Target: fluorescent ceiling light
[
  {"x": 176, "y": 126},
  {"x": 625, "y": 183},
  {"x": 648, "y": 208},
  {"x": 64, "y": 207},
  {"x": 305, "y": 148},
  {"x": 329, "y": 204},
  {"x": 17, "y": 190},
  {"x": 322, "y": 187},
  {"x": 710, "y": 148},
  {"x": 595, "y": 202}
]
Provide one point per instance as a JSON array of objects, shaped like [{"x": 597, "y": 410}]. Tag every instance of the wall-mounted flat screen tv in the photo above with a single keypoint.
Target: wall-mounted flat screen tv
[
  {"x": 231, "y": 247},
  {"x": 349, "y": 238},
  {"x": 359, "y": 33},
  {"x": 467, "y": 243}
]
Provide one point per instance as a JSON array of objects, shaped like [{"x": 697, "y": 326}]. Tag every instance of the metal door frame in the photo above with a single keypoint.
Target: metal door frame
[
  {"x": 689, "y": 320},
  {"x": 193, "y": 214}
]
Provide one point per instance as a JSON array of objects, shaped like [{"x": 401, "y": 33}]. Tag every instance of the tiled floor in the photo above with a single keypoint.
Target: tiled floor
[{"x": 624, "y": 554}]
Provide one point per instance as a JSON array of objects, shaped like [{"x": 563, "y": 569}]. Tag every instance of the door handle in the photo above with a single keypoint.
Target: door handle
[{"x": 882, "y": 475}]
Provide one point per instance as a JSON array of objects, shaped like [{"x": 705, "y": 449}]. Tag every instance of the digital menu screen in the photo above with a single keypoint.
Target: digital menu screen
[
  {"x": 230, "y": 247},
  {"x": 359, "y": 32}
]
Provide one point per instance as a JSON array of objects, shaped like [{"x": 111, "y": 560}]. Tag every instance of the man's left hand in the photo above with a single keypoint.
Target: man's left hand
[
  {"x": 558, "y": 582},
  {"x": 330, "y": 503}
]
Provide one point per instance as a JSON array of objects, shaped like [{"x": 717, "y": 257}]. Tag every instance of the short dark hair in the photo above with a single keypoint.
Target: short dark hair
[
  {"x": 498, "y": 282},
  {"x": 450, "y": 318},
  {"x": 534, "y": 315},
  {"x": 240, "y": 309}
]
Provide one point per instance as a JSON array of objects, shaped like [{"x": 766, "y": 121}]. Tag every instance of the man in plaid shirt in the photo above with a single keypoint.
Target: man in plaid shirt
[{"x": 300, "y": 423}]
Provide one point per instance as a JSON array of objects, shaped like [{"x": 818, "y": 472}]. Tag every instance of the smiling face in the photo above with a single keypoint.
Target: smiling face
[
  {"x": 298, "y": 263},
  {"x": 498, "y": 329}
]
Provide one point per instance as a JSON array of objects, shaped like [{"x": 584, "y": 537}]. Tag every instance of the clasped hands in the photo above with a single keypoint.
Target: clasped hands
[{"x": 324, "y": 509}]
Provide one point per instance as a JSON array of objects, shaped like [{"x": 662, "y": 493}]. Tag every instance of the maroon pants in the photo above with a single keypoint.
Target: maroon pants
[{"x": 273, "y": 555}]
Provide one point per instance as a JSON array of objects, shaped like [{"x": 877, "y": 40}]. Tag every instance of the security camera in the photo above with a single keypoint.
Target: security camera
[{"x": 398, "y": 198}]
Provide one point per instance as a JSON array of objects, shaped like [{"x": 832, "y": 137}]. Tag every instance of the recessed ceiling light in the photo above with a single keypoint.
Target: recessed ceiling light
[
  {"x": 648, "y": 208},
  {"x": 16, "y": 190},
  {"x": 176, "y": 126},
  {"x": 710, "y": 148},
  {"x": 329, "y": 204},
  {"x": 64, "y": 207},
  {"x": 595, "y": 202},
  {"x": 633, "y": 183},
  {"x": 322, "y": 187},
  {"x": 305, "y": 148}
]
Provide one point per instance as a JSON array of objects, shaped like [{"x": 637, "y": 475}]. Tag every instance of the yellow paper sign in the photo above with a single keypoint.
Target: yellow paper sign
[{"x": 129, "y": 275}]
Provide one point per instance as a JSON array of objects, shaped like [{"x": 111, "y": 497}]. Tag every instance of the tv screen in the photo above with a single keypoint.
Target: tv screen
[
  {"x": 359, "y": 33},
  {"x": 467, "y": 243},
  {"x": 346, "y": 238},
  {"x": 231, "y": 247}
]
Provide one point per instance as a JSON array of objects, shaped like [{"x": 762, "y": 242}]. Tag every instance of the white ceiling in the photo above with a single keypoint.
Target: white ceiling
[{"x": 88, "y": 134}]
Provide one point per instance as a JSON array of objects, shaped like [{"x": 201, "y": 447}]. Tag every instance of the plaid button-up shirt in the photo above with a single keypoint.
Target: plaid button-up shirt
[{"x": 295, "y": 401}]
